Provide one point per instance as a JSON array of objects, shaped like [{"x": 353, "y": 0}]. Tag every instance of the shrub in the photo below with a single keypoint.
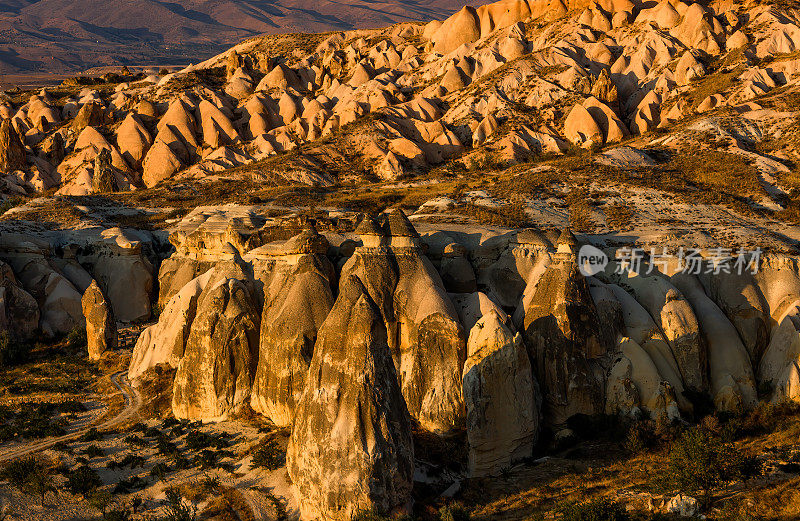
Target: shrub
[
  {"x": 177, "y": 510},
  {"x": 699, "y": 461},
  {"x": 197, "y": 440},
  {"x": 127, "y": 485},
  {"x": 603, "y": 509},
  {"x": 91, "y": 435},
  {"x": 76, "y": 338},
  {"x": 100, "y": 499},
  {"x": 181, "y": 462},
  {"x": 210, "y": 484},
  {"x": 269, "y": 455},
  {"x": 31, "y": 476},
  {"x": 62, "y": 447},
  {"x": 11, "y": 351},
  {"x": 19, "y": 471},
  {"x": 160, "y": 471},
  {"x": 454, "y": 512},
  {"x": 166, "y": 447},
  {"x": 136, "y": 441},
  {"x": 153, "y": 432},
  {"x": 170, "y": 422},
  {"x": 132, "y": 461},
  {"x": 119, "y": 514},
  {"x": 640, "y": 437},
  {"x": 206, "y": 459},
  {"x": 93, "y": 451},
  {"x": 84, "y": 480}
]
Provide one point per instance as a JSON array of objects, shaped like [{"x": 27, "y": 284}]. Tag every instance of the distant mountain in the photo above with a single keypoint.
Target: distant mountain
[{"x": 69, "y": 35}]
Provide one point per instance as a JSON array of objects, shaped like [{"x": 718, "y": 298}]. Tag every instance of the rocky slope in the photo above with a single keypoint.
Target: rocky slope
[
  {"x": 660, "y": 126},
  {"x": 61, "y": 36}
]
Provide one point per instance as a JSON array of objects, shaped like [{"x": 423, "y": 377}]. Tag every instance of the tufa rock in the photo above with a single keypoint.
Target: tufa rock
[
  {"x": 103, "y": 180},
  {"x": 101, "y": 328},
  {"x": 351, "y": 446},
  {"x": 12, "y": 151},
  {"x": 562, "y": 330},
  {"x": 501, "y": 397},
  {"x": 214, "y": 376}
]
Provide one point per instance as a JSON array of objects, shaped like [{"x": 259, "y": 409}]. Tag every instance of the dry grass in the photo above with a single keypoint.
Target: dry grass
[
  {"x": 580, "y": 219},
  {"x": 603, "y": 468},
  {"x": 710, "y": 84},
  {"x": 227, "y": 504},
  {"x": 618, "y": 216}
]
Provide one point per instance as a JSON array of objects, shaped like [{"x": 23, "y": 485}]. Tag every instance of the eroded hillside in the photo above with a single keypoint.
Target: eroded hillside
[{"x": 371, "y": 246}]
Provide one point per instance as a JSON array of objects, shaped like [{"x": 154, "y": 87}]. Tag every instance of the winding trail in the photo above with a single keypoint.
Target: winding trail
[{"x": 132, "y": 399}]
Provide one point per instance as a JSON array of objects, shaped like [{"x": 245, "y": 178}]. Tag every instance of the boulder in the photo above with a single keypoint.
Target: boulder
[
  {"x": 688, "y": 69},
  {"x": 360, "y": 75},
  {"x": 280, "y": 77},
  {"x": 351, "y": 447},
  {"x": 604, "y": 89},
  {"x": 634, "y": 386},
  {"x": 91, "y": 114},
  {"x": 103, "y": 179},
  {"x": 501, "y": 397},
  {"x": 159, "y": 164},
  {"x": 133, "y": 140},
  {"x": 643, "y": 331},
  {"x": 217, "y": 128},
  {"x": 731, "y": 379},
  {"x": 180, "y": 122},
  {"x": 676, "y": 319},
  {"x": 101, "y": 328},
  {"x": 614, "y": 130},
  {"x": 581, "y": 129}
]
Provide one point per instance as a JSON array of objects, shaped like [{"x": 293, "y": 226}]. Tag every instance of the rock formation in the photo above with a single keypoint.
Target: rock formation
[
  {"x": 501, "y": 397},
  {"x": 101, "y": 327},
  {"x": 297, "y": 300},
  {"x": 19, "y": 311},
  {"x": 12, "y": 151},
  {"x": 351, "y": 446},
  {"x": 563, "y": 336},
  {"x": 215, "y": 375}
]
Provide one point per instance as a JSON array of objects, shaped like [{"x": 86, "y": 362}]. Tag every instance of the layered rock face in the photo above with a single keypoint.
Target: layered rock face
[{"x": 351, "y": 445}]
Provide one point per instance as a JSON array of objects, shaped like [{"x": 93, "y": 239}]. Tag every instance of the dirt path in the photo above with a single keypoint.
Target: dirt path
[{"x": 132, "y": 403}]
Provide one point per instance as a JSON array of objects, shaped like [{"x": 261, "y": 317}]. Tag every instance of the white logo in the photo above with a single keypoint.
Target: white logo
[{"x": 591, "y": 260}]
